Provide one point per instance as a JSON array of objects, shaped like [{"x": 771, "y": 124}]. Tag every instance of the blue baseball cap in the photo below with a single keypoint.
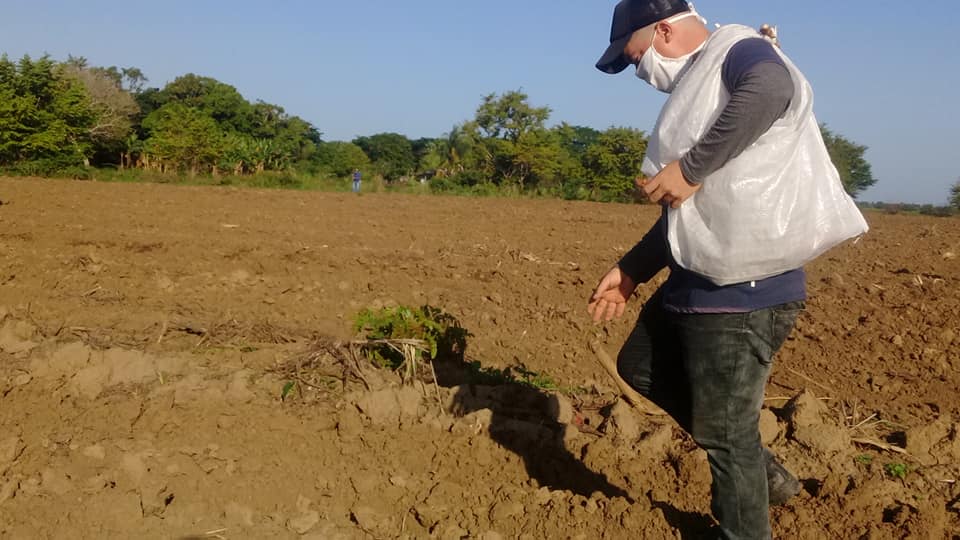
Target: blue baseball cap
[{"x": 628, "y": 17}]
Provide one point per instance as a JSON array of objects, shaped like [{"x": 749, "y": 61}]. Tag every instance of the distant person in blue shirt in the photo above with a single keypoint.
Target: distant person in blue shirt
[{"x": 356, "y": 180}]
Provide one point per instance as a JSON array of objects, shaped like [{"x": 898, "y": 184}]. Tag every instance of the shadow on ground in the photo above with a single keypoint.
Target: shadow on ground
[{"x": 521, "y": 421}]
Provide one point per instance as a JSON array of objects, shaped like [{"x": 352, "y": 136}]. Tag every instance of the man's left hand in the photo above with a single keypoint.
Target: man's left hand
[{"x": 669, "y": 186}]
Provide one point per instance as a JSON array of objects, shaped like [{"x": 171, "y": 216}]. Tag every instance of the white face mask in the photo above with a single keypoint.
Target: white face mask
[{"x": 661, "y": 72}]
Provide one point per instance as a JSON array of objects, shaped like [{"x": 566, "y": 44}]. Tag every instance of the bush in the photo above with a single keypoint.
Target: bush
[
  {"x": 471, "y": 182},
  {"x": 936, "y": 211},
  {"x": 489, "y": 189},
  {"x": 51, "y": 167},
  {"x": 283, "y": 180},
  {"x": 576, "y": 189},
  {"x": 132, "y": 175},
  {"x": 76, "y": 173},
  {"x": 443, "y": 185},
  {"x": 469, "y": 178}
]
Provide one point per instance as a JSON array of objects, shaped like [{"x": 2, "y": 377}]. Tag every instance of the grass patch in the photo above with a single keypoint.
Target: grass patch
[{"x": 264, "y": 180}]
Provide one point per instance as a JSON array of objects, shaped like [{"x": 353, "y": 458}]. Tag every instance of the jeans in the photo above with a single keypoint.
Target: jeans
[
  {"x": 709, "y": 371},
  {"x": 356, "y": 186}
]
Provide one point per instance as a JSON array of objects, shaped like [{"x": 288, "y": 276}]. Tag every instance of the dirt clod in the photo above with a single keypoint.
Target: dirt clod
[
  {"x": 238, "y": 515},
  {"x": 304, "y": 522},
  {"x": 10, "y": 449},
  {"x": 8, "y": 489},
  {"x": 921, "y": 439},
  {"x": 95, "y": 451},
  {"x": 769, "y": 427},
  {"x": 624, "y": 422}
]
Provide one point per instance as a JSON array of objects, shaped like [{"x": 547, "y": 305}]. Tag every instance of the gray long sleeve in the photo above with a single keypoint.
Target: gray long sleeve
[{"x": 761, "y": 94}]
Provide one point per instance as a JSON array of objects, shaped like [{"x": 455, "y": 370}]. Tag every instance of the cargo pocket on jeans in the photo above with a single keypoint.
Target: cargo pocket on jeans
[
  {"x": 782, "y": 322},
  {"x": 770, "y": 327}
]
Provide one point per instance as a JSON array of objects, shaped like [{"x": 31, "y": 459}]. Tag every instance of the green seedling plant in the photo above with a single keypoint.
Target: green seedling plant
[
  {"x": 897, "y": 469},
  {"x": 444, "y": 338},
  {"x": 442, "y": 334},
  {"x": 864, "y": 459},
  {"x": 287, "y": 388},
  {"x": 533, "y": 379}
]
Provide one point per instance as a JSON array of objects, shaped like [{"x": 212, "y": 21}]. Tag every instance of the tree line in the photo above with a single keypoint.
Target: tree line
[{"x": 58, "y": 117}]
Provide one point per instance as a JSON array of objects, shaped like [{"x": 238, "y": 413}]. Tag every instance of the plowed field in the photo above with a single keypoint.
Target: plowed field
[{"x": 147, "y": 332}]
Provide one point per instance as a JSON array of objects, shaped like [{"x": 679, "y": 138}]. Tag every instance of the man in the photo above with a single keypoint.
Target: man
[
  {"x": 702, "y": 350},
  {"x": 356, "y": 180}
]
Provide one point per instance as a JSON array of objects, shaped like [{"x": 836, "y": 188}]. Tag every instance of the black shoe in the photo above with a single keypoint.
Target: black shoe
[{"x": 781, "y": 484}]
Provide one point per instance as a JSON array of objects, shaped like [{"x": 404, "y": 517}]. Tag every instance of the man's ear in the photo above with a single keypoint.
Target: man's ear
[{"x": 666, "y": 29}]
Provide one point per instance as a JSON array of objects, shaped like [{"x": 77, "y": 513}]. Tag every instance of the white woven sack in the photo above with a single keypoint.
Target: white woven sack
[{"x": 776, "y": 206}]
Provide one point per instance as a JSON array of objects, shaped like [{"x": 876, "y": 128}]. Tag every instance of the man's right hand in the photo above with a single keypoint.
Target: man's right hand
[{"x": 609, "y": 300}]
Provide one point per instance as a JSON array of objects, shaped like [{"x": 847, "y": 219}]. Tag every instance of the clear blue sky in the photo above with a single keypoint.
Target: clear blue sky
[{"x": 883, "y": 77}]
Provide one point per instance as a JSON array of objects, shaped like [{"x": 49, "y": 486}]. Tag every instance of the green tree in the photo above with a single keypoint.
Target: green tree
[
  {"x": 341, "y": 158},
  {"x": 149, "y": 100},
  {"x": 465, "y": 150},
  {"x": 78, "y": 62},
  {"x": 113, "y": 108},
  {"x": 237, "y": 154},
  {"x": 257, "y": 137},
  {"x": 454, "y": 152},
  {"x": 130, "y": 79},
  {"x": 431, "y": 155},
  {"x": 241, "y": 154},
  {"x": 64, "y": 114},
  {"x": 423, "y": 149},
  {"x": 44, "y": 116},
  {"x": 535, "y": 159},
  {"x": 509, "y": 116},
  {"x": 132, "y": 145},
  {"x": 509, "y": 144},
  {"x": 183, "y": 138},
  {"x": 576, "y": 139},
  {"x": 390, "y": 153},
  {"x": 855, "y": 172},
  {"x": 296, "y": 138},
  {"x": 613, "y": 162},
  {"x": 955, "y": 195},
  {"x": 217, "y": 100}
]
